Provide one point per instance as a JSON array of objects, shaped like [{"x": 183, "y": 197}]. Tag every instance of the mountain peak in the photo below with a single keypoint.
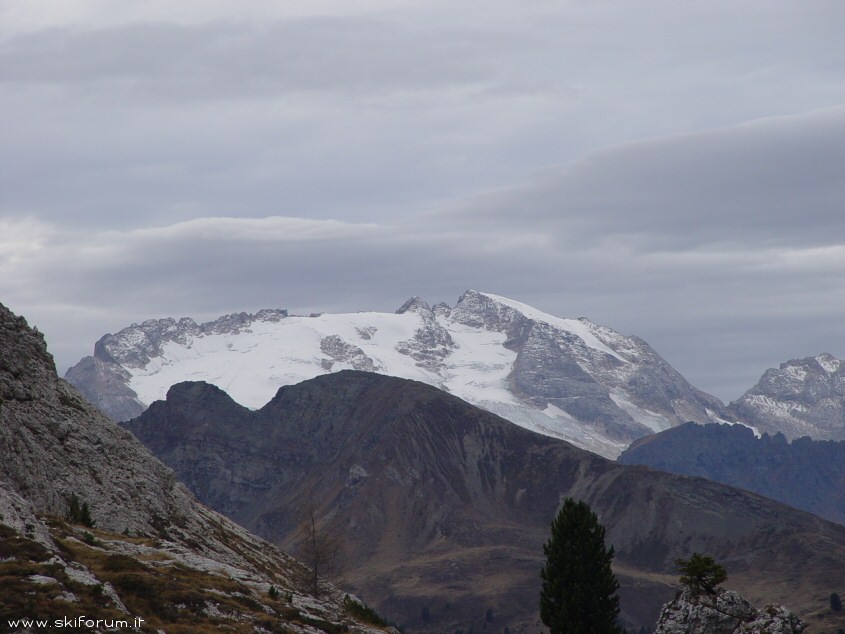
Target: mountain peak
[
  {"x": 26, "y": 368},
  {"x": 201, "y": 396},
  {"x": 414, "y": 304},
  {"x": 568, "y": 378},
  {"x": 830, "y": 363},
  {"x": 801, "y": 397}
]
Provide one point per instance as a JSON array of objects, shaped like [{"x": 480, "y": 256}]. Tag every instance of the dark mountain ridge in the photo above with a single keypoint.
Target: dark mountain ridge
[
  {"x": 444, "y": 507},
  {"x": 807, "y": 474}
]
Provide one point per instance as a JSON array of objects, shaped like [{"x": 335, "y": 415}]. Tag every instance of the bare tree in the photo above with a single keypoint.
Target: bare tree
[{"x": 319, "y": 545}]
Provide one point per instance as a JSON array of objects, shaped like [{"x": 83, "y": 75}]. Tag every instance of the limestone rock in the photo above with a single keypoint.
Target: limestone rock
[{"x": 724, "y": 612}]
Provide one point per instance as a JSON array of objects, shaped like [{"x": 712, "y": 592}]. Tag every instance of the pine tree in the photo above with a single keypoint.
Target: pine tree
[
  {"x": 579, "y": 588},
  {"x": 700, "y": 573},
  {"x": 79, "y": 514},
  {"x": 85, "y": 515}
]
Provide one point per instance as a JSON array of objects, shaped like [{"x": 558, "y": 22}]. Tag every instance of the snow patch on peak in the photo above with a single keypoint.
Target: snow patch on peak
[
  {"x": 654, "y": 421},
  {"x": 774, "y": 407},
  {"x": 722, "y": 421},
  {"x": 829, "y": 363},
  {"x": 578, "y": 327},
  {"x": 793, "y": 372}
]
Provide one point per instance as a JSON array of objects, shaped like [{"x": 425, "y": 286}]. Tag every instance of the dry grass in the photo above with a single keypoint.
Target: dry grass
[{"x": 152, "y": 585}]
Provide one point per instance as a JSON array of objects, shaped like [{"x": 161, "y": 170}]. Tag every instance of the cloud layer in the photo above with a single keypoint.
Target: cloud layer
[{"x": 670, "y": 170}]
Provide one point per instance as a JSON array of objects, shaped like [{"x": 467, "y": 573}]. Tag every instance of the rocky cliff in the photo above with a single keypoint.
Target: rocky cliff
[
  {"x": 445, "y": 507},
  {"x": 802, "y": 397},
  {"x": 724, "y": 612},
  {"x": 144, "y": 547}
]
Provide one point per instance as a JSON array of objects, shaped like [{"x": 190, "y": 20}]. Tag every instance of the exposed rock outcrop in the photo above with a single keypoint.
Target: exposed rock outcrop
[
  {"x": 724, "y": 612},
  {"x": 802, "y": 397}
]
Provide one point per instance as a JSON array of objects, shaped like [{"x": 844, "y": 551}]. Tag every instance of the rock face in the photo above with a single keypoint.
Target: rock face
[
  {"x": 445, "y": 507},
  {"x": 803, "y": 397},
  {"x": 724, "y": 612},
  {"x": 567, "y": 378},
  {"x": 55, "y": 444},
  {"x": 806, "y": 474},
  {"x": 150, "y": 550}
]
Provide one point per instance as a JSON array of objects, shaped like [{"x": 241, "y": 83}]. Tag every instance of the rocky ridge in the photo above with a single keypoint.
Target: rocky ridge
[
  {"x": 724, "y": 612},
  {"x": 146, "y": 548},
  {"x": 567, "y": 378},
  {"x": 806, "y": 474},
  {"x": 802, "y": 397}
]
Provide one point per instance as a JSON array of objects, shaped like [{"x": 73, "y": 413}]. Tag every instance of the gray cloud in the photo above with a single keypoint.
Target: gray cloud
[
  {"x": 155, "y": 62},
  {"x": 720, "y": 293},
  {"x": 775, "y": 182},
  {"x": 361, "y": 114},
  {"x": 672, "y": 170}
]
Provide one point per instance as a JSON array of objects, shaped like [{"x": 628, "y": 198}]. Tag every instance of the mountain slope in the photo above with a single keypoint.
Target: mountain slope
[
  {"x": 567, "y": 378},
  {"x": 146, "y": 548},
  {"x": 445, "y": 506},
  {"x": 803, "y": 397},
  {"x": 807, "y": 474}
]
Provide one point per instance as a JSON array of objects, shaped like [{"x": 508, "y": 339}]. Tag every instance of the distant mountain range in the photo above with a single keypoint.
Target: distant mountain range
[
  {"x": 92, "y": 526},
  {"x": 444, "y": 507},
  {"x": 807, "y": 474},
  {"x": 567, "y": 378}
]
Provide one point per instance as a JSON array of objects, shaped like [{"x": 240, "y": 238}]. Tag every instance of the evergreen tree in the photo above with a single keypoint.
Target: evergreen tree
[
  {"x": 79, "y": 514},
  {"x": 85, "y": 515},
  {"x": 579, "y": 588},
  {"x": 700, "y": 573}
]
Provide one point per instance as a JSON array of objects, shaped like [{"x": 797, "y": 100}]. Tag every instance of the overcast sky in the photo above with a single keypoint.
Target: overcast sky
[{"x": 672, "y": 170}]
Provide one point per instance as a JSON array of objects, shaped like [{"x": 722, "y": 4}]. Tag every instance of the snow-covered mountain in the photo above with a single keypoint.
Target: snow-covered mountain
[
  {"x": 803, "y": 397},
  {"x": 568, "y": 378}
]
